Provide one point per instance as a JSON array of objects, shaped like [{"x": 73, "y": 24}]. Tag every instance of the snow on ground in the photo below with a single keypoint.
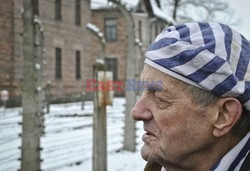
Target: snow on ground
[{"x": 67, "y": 142}]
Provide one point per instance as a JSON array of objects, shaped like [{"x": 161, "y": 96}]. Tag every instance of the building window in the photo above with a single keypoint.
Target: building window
[
  {"x": 111, "y": 29},
  {"x": 78, "y": 12},
  {"x": 58, "y": 67},
  {"x": 112, "y": 66},
  {"x": 58, "y": 10},
  {"x": 78, "y": 65}
]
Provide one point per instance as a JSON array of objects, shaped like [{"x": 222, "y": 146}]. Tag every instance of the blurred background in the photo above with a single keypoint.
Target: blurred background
[{"x": 49, "y": 49}]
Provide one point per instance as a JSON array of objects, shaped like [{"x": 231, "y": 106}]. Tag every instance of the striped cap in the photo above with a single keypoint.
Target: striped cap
[{"x": 210, "y": 56}]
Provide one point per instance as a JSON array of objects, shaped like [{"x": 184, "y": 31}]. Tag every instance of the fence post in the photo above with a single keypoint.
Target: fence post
[
  {"x": 129, "y": 131},
  {"x": 30, "y": 155},
  {"x": 99, "y": 127}
]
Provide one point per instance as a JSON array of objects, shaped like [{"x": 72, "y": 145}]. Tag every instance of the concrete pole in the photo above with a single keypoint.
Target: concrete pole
[
  {"x": 100, "y": 116},
  {"x": 129, "y": 132},
  {"x": 39, "y": 73},
  {"x": 99, "y": 128},
  {"x": 30, "y": 155},
  {"x": 140, "y": 62}
]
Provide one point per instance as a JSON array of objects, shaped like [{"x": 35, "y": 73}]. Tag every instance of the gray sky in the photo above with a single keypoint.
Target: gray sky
[{"x": 242, "y": 11}]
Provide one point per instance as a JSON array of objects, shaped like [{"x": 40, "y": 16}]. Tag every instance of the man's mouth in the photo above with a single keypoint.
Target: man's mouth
[
  {"x": 148, "y": 136},
  {"x": 149, "y": 133}
]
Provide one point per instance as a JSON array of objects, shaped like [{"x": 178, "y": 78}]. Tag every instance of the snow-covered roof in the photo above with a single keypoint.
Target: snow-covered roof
[
  {"x": 160, "y": 13},
  {"x": 104, "y": 4},
  {"x": 130, "y": 4},
  {"x": 99, "y": 4}
]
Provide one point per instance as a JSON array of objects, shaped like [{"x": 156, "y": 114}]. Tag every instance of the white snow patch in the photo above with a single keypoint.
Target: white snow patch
[
  {"x": 37, "y": 66},
  {"x": 97, "y": 31},
  {"x": 161, "y": 14},
  {"x": 129, "y": 5},
  {"x": 67, "y": 143},
  {"x": 104, "y": 4},
  {"x": 93, "y": 27}
]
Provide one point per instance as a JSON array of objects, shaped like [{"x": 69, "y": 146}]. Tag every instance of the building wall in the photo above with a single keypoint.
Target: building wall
[
  {"x": 150, "y": 28},
  {"x": 64, "y": 34},
  {"x": 115, "y": 49},
  {"x": 70, "y": 38},
  {"x": 6, "y": 46},
  {"x": 148, "y": 31}
]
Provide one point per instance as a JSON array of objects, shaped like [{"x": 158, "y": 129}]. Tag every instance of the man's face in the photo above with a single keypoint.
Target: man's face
[{"x": 175, "y": 127}]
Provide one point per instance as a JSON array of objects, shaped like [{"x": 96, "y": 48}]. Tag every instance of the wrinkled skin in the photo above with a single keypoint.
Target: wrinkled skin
[{"x": 178, "y": 132}]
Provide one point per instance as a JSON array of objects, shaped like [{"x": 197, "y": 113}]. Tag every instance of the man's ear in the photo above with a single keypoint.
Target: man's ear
[{"x": 229, "y": 112}]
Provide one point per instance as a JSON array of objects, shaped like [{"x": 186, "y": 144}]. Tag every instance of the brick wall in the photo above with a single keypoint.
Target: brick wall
[
  {"x": 6, "y": 46},
  {"x": 64, "y": 34},
  {"x": 115, "y": 49},
  {"x": 118, "y": 49},
  {"x": 70, "y": 38}
]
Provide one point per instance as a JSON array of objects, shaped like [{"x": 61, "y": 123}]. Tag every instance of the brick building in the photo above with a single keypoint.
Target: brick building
[
  {"x": 149, "y": 20},
  {"x": 7, "y": 46},
  {"x": 70, "y": 50},
  {"x": 67, "y": 55}
]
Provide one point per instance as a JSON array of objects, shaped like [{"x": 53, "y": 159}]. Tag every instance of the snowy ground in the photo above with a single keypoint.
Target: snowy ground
[{"x": 67, "y": 143}]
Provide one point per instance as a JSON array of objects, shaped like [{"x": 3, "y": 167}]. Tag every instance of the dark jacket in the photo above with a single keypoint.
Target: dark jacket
[{"x": 153, "y": 166}]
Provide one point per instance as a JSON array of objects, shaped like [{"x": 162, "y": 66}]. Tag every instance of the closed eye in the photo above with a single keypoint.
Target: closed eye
[{"x": 162, "y": 103}]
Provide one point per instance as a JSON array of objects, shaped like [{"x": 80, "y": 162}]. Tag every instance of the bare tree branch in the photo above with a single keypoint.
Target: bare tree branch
[{"x": 199, "y": 10}]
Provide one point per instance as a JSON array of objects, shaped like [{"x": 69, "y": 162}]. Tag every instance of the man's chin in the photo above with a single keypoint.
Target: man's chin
[{"x": 146, "y": 152}]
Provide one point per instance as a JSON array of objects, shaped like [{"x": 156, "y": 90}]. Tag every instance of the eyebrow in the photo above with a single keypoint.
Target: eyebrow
[{"x": 166, "y": 92}]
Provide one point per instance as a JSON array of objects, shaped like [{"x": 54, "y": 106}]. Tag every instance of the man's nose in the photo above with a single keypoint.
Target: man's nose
[{"x": 141, "y": 112}]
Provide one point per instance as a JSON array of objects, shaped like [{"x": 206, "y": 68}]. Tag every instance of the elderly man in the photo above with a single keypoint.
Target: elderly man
[{"x": 200, "y": 120}]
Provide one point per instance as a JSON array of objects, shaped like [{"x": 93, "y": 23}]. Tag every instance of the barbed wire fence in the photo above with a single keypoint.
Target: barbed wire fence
[{"x": 67, "y": 138}]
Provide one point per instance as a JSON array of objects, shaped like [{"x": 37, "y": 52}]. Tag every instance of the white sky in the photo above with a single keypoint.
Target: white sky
[{"x": 242, "y": 11}]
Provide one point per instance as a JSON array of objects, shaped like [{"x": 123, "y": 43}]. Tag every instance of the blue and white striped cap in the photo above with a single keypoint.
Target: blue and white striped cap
[{"x": 211, "y": 56}]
